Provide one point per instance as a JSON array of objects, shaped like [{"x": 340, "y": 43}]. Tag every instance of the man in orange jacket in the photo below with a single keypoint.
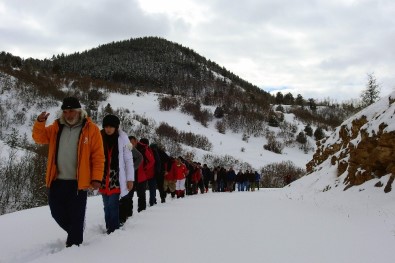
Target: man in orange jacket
[{"x": 75, "y": 164}]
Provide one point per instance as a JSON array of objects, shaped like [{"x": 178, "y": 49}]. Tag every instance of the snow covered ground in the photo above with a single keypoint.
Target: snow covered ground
[
  {"x": 313, "y": 220},
  {"x": 282, "y": 225}
]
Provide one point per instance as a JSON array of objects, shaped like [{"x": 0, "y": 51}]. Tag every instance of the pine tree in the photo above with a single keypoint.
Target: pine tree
[
  {"x": 308, "y": 130},
  {"x": 372, "y": 92},
  {"x": 319, "y": 133}
]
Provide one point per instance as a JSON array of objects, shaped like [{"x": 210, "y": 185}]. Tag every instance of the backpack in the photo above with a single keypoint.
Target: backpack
[{"x": 148, "y": 165}]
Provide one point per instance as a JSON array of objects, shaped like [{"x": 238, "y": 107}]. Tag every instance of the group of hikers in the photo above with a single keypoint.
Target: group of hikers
[{"x": 82, "y": 157}]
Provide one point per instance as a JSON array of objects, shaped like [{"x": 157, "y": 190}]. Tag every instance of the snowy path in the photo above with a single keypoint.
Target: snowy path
[{"x": 264, "y": 226}]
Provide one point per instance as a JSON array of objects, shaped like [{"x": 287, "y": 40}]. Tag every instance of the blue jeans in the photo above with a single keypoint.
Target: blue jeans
[{"x": 111, "y": 212}]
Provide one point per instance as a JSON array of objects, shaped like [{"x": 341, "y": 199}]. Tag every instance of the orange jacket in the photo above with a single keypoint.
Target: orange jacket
[{"x": 90, "y": 151}]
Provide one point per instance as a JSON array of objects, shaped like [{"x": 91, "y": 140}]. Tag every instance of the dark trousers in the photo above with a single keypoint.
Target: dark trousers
[
  {"x": 159, "y": 182},
  {"x": 140, "y": 189},
  {"x": 126, "y": 207},
  {"x": 126, "y": 203},
  {"x": 68, "y": 206},
  {"x": 111, "y": 212},
  {"x": 152, "y": 191}
]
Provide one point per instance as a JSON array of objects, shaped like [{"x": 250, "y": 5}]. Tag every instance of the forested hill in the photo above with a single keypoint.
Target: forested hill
[{"x": 149, "y": 63}]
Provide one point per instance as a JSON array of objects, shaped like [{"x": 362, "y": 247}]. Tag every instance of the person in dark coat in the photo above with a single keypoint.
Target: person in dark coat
[
  {"x": 214, "y": 179},
  {"x": 257, "y": 179},
  {"x": 164, "y": 166},
  {"x": 222, "y": 179},
  {"x": 239, "y": 180},
  {"x": 231, "y": 177},
  {"x": 207, "y": 174},
  {"x": 126, "y": 202}
]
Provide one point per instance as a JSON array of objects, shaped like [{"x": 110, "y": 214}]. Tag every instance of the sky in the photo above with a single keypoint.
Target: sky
[{"x": 319, "y": 49}]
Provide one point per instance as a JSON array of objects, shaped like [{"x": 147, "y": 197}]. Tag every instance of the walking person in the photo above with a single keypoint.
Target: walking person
[
  {"x": 118, "y": 170},
  {"x": 140, "y": 183},
  {"x": 180, "y": 171},
  {"x": 75, "y": 164},
  {"x": 214, "y": 178},
  {"x": 164, "y": 166},
  {"x": 239, "y": 181},
  {"x": 126, "y": 202},
  {"x": 151, "y": 169},
  {"x": 231, "y": 177},
  {"x": 257, "y": 179},
  {"x": 207, "y": 174},
  {"x": 169, "y": 182}
]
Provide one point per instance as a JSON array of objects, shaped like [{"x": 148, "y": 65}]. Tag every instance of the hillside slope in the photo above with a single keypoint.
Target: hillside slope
[{"x": 362, "y": 148}]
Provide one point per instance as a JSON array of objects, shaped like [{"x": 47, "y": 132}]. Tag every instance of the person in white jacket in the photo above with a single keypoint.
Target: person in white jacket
[{"x": 118, "y": 176}]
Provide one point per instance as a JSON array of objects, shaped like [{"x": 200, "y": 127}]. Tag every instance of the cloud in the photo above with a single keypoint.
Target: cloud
[
  {"x": 312, "y": 47},
  {"x": 69, "y": 26}
]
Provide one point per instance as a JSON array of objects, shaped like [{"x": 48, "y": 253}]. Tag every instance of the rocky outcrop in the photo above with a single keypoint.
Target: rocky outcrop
[{"x": 363, "y": 148}]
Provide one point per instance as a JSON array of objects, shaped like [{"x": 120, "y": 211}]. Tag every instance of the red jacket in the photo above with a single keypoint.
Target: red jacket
[
  {"x": 178, "y": 171},
  {"x": 146, "y": 170},
  {"x": 197, "y": 175}
]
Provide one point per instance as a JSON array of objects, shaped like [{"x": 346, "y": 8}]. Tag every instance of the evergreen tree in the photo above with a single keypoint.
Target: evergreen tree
[
  {"x": 289, "y": 99},
  {"x": 308, "y": 130},
  {"x": 372, "y": 92},
  {"x": 108, "y": 109},
  {"x": 301, "y": 138},
  {"x": 312, "y": 104},
  {"x": 319, "y": 133},
  {"x": 299, "y": 100},
  {"x": 279, "y": 98},
  {"x": 219, "y": 112}
]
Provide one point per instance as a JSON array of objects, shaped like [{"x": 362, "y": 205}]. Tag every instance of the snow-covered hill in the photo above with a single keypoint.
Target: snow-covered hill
[
  {"x": 360, "y": 150},
  {"x": 146, "y": 104}
]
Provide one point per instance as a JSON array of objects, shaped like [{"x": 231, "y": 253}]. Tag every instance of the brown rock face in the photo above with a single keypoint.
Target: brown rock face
[{"x": 361, "y": 155}]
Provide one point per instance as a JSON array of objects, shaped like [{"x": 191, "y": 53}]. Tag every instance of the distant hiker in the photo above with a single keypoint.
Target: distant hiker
[
  {"x": 251, "y": 179},
  {"x": 231, "y": 177},
  {"x": 257, "y": 179},
  {"x": 239, "y": 180},
  {"x": 214, "y": 178},
  {"x": 75, "y": 164},
  {"x": 126, "y": 202},
  {"x": 151, "y": 168},
  {"x": 200, "y": 182},
  {"x": 164, "y": 161},
  {"x": 207, "y": 174},
  {"x": 247, "y": 183},
  {"x": 140, "y": 182},
  {"x": 169, "y": 182},
  {"x": 222, "y": 179},
  {"x": 118, "y": 174},
  {"x": 180, "y": 171}
]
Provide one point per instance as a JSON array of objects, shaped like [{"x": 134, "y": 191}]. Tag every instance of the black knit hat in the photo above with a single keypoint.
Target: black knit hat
[
  {"x": 70, "y": 103},
  {"x": 144, "y": 140},
  {"x": 111, "y": 120}
]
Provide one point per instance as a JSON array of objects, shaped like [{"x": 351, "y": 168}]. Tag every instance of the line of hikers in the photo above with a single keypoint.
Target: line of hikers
[
  {"x": 83, "y": 157},
  {"x": 156, "y": 170}
]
